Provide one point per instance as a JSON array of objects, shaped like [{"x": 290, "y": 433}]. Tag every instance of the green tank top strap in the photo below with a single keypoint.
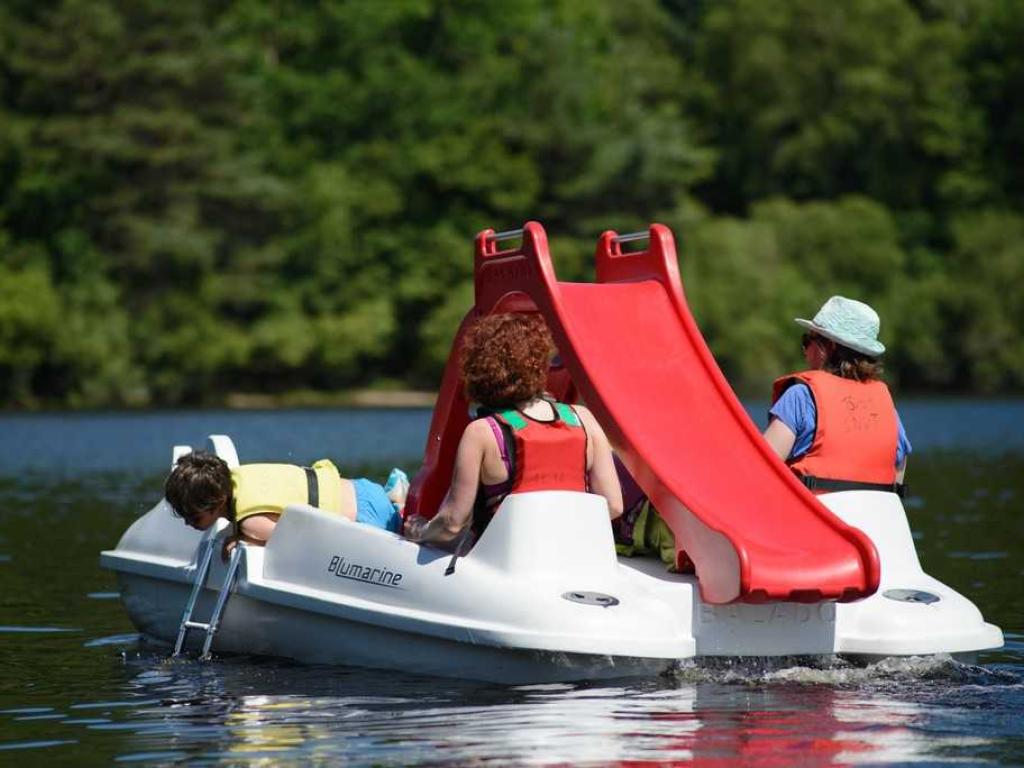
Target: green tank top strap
[
  {"x": 563, "y": 413},
  {"x": 513, "y": 418},
  {"x": 567, "y": 414}
]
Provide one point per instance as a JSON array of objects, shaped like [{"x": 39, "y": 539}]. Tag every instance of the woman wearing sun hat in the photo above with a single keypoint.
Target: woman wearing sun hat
[{"x": 835, "y": 424}]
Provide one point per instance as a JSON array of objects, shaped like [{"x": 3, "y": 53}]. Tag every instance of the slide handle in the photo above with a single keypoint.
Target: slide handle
[
  {"x": 510, "y": 234},
  {"x": 631, "y": 237}
]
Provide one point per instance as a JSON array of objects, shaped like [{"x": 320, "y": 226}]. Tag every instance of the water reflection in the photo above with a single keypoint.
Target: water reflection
[
  {"x": 766, "y": 712},
  {"x": 287, "y": 712}
]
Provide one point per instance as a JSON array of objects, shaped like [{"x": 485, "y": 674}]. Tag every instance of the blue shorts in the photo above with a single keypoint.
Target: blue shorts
[{"x": 373, "y": 507}]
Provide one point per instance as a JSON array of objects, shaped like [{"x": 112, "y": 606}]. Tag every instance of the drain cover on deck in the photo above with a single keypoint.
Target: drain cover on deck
[
  {"x": 911, "y": 596},
  {"x": 591, "y": 598}
]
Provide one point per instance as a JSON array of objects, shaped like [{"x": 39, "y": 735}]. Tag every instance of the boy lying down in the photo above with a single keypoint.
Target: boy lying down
[{"x": 202, "y": 488}]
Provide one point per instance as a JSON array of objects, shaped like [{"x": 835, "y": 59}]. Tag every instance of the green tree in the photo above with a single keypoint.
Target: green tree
[
  {"x": 29, "y": 328},
  {"x": 276, "y": 195},
  {"x": 416, "y": 124},
  {"x": 124, "y": 140},
  {"x": 995, "y": 61},
  {"x": 747, "y": 280},
  {"x": 986, "y": 305},
  {"x": 818, "y": 100}
]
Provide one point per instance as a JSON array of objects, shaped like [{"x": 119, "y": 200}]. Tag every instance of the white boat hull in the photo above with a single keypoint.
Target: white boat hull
[
  {"x": 264, "y": 629},
  {"x": 331, "y": 591}
]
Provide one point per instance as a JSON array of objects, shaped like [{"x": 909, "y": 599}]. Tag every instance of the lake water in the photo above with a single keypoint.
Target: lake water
[{"x": 78, "y": 688}]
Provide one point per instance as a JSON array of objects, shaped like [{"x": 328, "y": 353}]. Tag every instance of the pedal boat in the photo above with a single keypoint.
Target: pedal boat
[{"x": 540, "y": 597}]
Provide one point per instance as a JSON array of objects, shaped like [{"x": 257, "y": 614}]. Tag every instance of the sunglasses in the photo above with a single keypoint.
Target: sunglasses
[
  {"x": 807, "y": 339},
  {"x": 196, "y": 515}
]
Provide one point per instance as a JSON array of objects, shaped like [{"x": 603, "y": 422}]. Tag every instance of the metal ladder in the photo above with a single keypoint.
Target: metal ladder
[{"x": 222, "y": 598}]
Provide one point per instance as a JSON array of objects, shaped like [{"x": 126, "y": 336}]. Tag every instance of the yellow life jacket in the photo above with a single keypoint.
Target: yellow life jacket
[{"x": 269, "y": 488}]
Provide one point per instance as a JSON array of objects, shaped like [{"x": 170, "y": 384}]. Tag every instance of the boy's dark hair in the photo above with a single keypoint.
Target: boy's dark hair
[{"x": 200, "y": 481}]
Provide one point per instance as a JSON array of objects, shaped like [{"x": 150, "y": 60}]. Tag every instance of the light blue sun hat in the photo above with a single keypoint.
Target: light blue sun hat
[{"x": 848, "y": 322}]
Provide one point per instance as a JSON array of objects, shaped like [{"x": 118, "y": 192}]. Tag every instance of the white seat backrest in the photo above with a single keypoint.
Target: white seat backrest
[
  {"x": 549, "y": 531},
  {"x": 179, "y": 451},
  {"x": 225, "y": 448}
]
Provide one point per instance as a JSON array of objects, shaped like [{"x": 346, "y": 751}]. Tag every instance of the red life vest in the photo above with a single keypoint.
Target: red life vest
[
  {"x": 544, "y": 456},
  {"x": 549, "y": 455},
  {"x": 856, "y": 435}
]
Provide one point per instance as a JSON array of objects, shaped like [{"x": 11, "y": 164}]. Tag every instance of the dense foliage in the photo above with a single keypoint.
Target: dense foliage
[{"x": 204, "y": 197}]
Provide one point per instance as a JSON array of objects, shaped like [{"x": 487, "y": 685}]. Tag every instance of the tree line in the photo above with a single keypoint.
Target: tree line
[{"x": 206, "y": 197}]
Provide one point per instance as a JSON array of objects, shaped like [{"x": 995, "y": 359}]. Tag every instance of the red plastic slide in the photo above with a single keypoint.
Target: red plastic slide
[{"x": 632, "y": 349}]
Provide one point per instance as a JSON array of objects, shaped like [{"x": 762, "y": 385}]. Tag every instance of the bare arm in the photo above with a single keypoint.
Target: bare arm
[
  {"x": 901, "y": 470},
  {"x": 780, "y": 437},
  {"x": 604, "y": 480},
  {"x": 256, "y": 529},
  {"x": 456, "y": 511}
]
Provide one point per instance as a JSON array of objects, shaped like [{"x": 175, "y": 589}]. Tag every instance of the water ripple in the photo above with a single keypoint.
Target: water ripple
[
  {"x": 115, "y": 704},
  {"x": 12, "y": 745},
  {"x": 148, "y": 757},
  {"x": 26, "y": 710},
  {"x": 99, "y": 642},
  {"x": 38, "y": 630},
  {"x": 979, "y": 555}
]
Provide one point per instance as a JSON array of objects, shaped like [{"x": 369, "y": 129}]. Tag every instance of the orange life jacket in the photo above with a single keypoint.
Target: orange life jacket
[{"x": 856, "y": 434}]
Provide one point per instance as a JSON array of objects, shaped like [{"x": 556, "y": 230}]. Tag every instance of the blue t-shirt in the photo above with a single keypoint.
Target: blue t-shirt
[{"x": 796, "y": 409}]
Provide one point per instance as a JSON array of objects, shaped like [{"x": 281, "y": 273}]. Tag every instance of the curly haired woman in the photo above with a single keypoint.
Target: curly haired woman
[{"x": 526, "y": 442}]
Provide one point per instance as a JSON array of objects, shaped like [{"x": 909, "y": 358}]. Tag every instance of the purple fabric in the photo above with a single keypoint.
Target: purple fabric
[
  {"x": 632, "y": 494},
  {"x": 633, "y": 498},
  {"x": 498, "y": 490}
]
